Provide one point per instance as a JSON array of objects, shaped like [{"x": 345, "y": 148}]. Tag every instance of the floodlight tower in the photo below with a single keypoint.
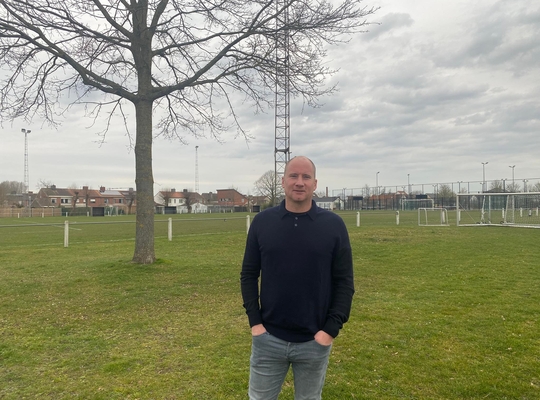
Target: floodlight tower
[
  {"x": 484, "y": 176},
  {"x": 196, "y": 169},
  {"x": 513, "y": 181},
  {"x": 282, "y": 99},
  {"x": 26, "y": 178}
]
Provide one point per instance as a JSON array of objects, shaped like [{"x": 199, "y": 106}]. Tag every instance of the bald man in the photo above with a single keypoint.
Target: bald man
[{"x": 297, "y": 286}]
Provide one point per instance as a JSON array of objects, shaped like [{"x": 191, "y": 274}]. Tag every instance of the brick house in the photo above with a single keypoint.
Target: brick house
[
  {"x": 231, "y": 198},
  {"x": 119, "y": 201}
]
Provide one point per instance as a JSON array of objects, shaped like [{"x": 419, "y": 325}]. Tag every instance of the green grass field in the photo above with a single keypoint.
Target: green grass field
[{"x": 439, "y": 313}]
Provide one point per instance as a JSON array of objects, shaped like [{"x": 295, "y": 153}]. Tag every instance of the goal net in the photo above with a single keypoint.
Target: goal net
[
  {"x": 415, "y": 204},
  {"x": 506, "y": 209},
  {"x": 432, "y": 217}
]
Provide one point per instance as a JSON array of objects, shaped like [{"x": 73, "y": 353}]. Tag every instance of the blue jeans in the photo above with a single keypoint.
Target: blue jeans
[{"x": 270, "y": 361}]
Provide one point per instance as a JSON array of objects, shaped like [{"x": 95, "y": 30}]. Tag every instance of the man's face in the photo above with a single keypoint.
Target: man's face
[{"x": 299, "y": 181}]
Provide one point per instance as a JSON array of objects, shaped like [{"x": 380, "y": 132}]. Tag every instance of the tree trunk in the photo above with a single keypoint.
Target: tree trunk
[{"x": 144, "y": 179}]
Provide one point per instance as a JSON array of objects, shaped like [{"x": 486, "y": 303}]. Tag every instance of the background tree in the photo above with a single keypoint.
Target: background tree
[
  {"x": 7, "y": 188},
  {"x": 182, "y": 57},
  {"x": 130, "y": 198},
  {"x": 267, "y": 186},
  {"x": 366, "y": 191},
  {"x": 43, "y": 184},
  {"x": 497, "y": 186},
  {"x": 190, "y": 198},
  {"x": 75, "y": 200},
  {"x": 513, "y": 187},
  {"x": 446, "y": 195},
  {"x": 166, "y": 196}
]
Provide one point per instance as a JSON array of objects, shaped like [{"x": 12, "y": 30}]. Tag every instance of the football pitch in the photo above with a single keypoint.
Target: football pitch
[{"x": 440, "y": 312}]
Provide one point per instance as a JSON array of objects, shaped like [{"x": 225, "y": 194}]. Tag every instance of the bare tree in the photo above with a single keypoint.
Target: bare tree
[
  {"x": 43, "y": 183},
  {"x": 190, "y": 198},
  {"x": 75, "y": 200},
  {"x": 167, "y": 195},
  {"x": 9, "y": 187},
  {"x": 268, "y": 186},
  {"x": 445, "y": 194},
  {"x": 366, "y": 190},
  {"x": 183, "y": 57},
  {"x": 130, "y": 197},
  {"x": 513, "y": 188},
  {"x": 497, "y": 186}
]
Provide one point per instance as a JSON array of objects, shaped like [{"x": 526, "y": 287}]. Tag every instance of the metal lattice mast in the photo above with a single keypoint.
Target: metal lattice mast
[
  {"x": 196, "y": 169},
  {"x": 282, "y": 103},
  {"x": 26, "y": 176}
]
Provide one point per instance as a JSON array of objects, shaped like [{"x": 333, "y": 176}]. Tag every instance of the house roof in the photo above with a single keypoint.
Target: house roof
[
  {"x": 230, "y": 190},
  {"x": 43, "y": 199},
  {"x": 325, "y": 199},
  {"x": 57, "y": 192}
]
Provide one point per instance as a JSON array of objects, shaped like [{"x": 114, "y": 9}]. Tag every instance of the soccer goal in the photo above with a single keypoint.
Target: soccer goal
[
  {"x": 415, "y": 204},
  {"x": 432, "y": 217},
  {"x": 499, "y": 209}
]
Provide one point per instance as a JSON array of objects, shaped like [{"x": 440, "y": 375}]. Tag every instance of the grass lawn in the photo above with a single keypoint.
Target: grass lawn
[{"x": 439, "y": 313}]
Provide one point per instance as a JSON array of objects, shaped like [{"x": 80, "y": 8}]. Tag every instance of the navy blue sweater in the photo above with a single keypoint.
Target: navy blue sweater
[{"x": 304, "y": 263}]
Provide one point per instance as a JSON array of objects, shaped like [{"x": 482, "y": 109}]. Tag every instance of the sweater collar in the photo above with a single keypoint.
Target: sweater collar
[{"x": 312, "y": 213}]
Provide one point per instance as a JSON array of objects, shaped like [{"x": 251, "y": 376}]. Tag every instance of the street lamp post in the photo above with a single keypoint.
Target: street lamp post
[
  {"x": 484, "y": 176},
  {"x": 377, "y": 186},
  {"x": 513, "y": 166}
]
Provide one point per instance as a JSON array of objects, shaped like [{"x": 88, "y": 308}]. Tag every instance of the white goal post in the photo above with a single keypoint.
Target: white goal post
[
  {"x": 432, "y": 217},
  {"x": 498, "y": 209},
  {"x": 415, "y": 204}
]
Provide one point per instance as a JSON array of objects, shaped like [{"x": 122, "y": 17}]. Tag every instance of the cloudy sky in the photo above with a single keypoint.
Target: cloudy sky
[{"x": 426, "y": 96}]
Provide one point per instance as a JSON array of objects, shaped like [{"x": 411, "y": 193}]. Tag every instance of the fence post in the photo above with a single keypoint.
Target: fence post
[
  {"x": 170, "y": 230},
  {"x": 397, "y": 217},
  {"x": 66, "y": 233},
  {"x": 358, "y": 218},
  {"x": 248, "y": 219}
]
